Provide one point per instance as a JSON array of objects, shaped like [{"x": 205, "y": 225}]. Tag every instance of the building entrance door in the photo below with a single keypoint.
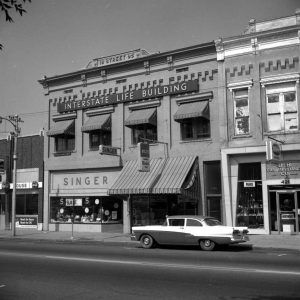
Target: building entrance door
[{"x": 285, "y": 211}]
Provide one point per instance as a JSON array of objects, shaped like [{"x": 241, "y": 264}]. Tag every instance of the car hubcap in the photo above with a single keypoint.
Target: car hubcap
[
  {"x": 207, "y": 243},
  {"x": 146, "y": 241}
]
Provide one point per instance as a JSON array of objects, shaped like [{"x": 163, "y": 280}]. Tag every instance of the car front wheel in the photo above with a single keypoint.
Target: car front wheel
[
  {"x": 207, "y": 245},
  {"x": 147, "y": 241}
]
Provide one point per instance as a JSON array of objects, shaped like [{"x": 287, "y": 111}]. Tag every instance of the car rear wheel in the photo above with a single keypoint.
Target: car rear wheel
[
  {"x": 207, "y": 245},
  {"x": 147, "y": 241}
]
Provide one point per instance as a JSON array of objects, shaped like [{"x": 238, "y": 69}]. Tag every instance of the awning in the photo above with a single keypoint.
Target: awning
[
  {"x": 167, "y": 176},
  {"x": 97, "y": 122},
  {"x": 62, "y": 127},
  {"x": 192, "y": 110},
  {"x": 142, "y": 116}
]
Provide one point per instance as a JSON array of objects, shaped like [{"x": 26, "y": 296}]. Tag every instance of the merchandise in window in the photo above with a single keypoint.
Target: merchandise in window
[
  {"x": 241, "y": 112},
  {"x": 195, "y": 128},
  {"x": 282, "y": 110},
  {"x": 85, "y": 210},
  {"x": 249, "y": 196},
  {"x": 144, "y": 131}
]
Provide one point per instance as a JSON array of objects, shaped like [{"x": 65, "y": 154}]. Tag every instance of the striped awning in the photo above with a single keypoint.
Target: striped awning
[
  {"x": 192, "y": 110},
  {"x": 167, "y": 176},
  {"x": 62, "y": 127},
  {"x": 97, "y": 122},
  {"x": 142, "y": 116}
]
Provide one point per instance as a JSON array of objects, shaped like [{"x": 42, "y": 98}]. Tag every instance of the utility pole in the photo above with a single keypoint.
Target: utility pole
[{"x": 14, "y": 120}]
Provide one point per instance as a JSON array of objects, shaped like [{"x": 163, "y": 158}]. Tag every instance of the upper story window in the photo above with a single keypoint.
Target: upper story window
[
  {"x": 281, "y": 102},
  {"x": 143, "y": 124},
  {"x": 99, "y": 129},
  {"x": 194, "y": 120},
  {"x": 64, "y": 133},
  {"x": 282, "y": 109},
  {"x": 241, "y": 112}
]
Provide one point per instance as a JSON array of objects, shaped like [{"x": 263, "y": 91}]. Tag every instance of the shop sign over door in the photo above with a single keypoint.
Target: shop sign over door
[
  {"x": 77, "y": 183},
  {"x": 285, "y": 169}
]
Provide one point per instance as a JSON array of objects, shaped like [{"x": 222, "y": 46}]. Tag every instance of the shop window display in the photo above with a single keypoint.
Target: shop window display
[
  {"x": 249, "y": 196},
  {"x": 85, "y": 210}
]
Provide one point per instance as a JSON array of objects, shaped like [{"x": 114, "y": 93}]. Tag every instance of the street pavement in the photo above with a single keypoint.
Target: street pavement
[{"x": 274, "y": 241}]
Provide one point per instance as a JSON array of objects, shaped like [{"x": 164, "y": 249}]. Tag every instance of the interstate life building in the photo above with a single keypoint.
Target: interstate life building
[{"x": 136, "y": 136}]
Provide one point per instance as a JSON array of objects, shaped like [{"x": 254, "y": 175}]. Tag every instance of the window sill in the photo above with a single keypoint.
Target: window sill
[
  {"x": 151, "y": 144},
  {"x": 63, "y": 153},
  {"x": 195, "y": 140},
  {"x": 242, "y": 136},
  {"x": 267, "y": 133}
]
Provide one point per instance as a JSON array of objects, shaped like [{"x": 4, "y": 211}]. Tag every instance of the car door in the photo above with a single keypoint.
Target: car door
[
  {"x": 173, "y": 234},
  {"x": 193, "y": 229}
]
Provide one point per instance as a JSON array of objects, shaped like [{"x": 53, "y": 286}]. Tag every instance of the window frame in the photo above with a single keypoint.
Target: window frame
[
  {"x": 237, "y": 98},
  {"x": 281, "y": 90},
  {"x": 193, "y": 126}
]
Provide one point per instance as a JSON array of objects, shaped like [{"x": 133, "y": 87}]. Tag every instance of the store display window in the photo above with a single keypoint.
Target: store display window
[
  {"x": 86, "y": 210},
  {"x": 249, "y": 196}
]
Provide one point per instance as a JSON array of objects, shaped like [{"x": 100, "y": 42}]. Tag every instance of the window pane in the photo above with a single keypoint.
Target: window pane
[
  {"x": 291, "y": 121},
  {"x": 144, "y": 131},
  {"x": 241, "y": 108},
  {"x": 290, "y": 104},
  {"x": 249, "y": 171},
  {"x": 192, "y": 222},
  {"x": 240, "y": 93},
  {"x": 176, "y": 222},
  {"x": 273, "y": 104},
  {"x": 242, "y": 125},
  {"x": 186, "y": 130},
  {"x": 274, "y": 122},
  {"x": 212, "y": 178},
  {"x": 202, "y": 128}
]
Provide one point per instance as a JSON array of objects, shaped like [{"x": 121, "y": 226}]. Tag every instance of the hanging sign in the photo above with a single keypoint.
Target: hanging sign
[{"x": 144, "y": 157}]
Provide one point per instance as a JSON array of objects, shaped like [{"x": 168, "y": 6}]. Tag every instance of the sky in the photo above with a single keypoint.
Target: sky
[{"x": 61, "y": 36}]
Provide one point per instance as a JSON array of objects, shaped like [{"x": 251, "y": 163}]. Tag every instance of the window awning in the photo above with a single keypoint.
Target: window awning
[
  {"x": 167, "y": 176},
  {"x": 62, "y": 127},
  {"x": 96, "y": 123},
  {"x": 142, "y": 116},
  {"x": 192, "y": 110}
]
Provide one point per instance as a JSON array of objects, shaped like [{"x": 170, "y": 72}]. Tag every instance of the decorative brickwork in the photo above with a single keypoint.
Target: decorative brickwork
[
  {"x": 279, "y": 64},
  {"x": 240, "y": 70}
]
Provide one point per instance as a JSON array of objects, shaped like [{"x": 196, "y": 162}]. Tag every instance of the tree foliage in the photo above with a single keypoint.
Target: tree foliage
[{"x": 6, "y": 7}]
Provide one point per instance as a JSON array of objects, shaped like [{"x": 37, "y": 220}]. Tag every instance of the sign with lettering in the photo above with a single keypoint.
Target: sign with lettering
[
  {"x": 117, "y": 58},
  {"x": 273, "y": 151},
  {"x": 26, "y": 221},
  {"x": 108, "y": 150},
  {"x": 81, "y": 183},
  {"x": 140, "y": 94},
  {"x": 144, "y": 157},
  {"x": 249, "y": 184},
  {"x": 286, "y": 169}
]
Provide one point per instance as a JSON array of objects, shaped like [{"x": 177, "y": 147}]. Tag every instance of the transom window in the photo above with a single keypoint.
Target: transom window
[{"x": 282, "y": 108}]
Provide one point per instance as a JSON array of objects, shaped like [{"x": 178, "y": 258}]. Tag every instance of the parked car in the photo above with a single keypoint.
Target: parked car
[{"x": 206, "y": 232}]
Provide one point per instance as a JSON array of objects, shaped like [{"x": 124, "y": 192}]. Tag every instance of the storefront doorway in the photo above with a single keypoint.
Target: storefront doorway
[{"x": 284, "y": 211}]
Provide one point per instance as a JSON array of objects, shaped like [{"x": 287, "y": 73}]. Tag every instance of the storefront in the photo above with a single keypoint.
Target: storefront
[
  {"x": 170, "y": 187},
  {"x": 80, "y": 200},
  {"x": 262, "y": 195}
]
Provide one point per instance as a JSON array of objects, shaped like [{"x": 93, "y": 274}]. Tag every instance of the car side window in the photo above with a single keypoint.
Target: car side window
[
  {"x": 176, "y": 222},
  {"x": 192, "y": 222}
]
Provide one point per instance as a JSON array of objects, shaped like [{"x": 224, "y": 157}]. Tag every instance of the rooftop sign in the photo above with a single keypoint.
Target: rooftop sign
[
  {"x": 140, "y": 94},
  {"x": 117, "y": 58}
]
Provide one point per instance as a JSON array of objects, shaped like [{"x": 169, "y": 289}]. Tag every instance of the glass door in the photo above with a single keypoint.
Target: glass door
[{"x": 287, "y": 212}]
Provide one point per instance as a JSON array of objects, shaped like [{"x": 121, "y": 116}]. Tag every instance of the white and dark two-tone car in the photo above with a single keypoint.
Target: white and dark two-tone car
[{"x": 206, "y": 232}]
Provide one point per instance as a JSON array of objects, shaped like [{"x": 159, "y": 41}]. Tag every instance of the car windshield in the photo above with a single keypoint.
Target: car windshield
[{"x": 212, "y": 222}]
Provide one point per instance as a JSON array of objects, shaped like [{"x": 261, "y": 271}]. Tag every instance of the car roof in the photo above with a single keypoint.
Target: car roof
[{"x": 188, "y": 216}]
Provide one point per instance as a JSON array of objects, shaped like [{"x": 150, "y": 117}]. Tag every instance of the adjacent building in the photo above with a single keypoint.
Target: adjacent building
[
  {"x": 29, "y": 183},
  {"x": 259, "y": 91}
]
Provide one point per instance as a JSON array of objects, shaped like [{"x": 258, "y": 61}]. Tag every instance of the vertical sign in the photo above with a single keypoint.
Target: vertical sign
[
  {"x": 273, "y": 151},
  {"x": 144, "y": 157}
]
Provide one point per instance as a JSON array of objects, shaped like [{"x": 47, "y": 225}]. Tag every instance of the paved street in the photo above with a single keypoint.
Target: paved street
[{"x": 60, "y": 270}]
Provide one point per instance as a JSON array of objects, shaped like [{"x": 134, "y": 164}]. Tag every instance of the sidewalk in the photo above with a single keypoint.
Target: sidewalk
[{"x": 275, "y": 241}]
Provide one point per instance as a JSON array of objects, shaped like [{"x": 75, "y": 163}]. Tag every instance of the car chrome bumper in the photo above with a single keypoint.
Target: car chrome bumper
[{"x": 133, "y": 237}]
